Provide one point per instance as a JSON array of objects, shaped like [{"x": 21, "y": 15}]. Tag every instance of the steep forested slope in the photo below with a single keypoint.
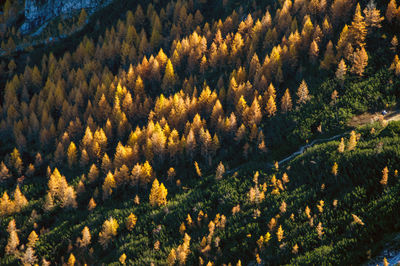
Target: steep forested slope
[{"x": 148, "y": 135}]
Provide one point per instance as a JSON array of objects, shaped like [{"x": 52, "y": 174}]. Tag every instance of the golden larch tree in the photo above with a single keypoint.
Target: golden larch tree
[
  {"x": 122, "y": 259},
  {"x": 302, "y": 93},
  {"x": 392, "y": 12},
  {"x": 329, "y": 57},
  {"x": 19, "y": 200},
  {"x": 341, "y": 146},
  {"x": 271, "y": 106},
  {"x": 352, "y": 141},
  {"x": 108, "y": 185},
  {"x": 341, "y": 71},
  {"x": 71, "y": 260},
  {"x": 171, "y": 259},
  {"x": 372, "y": 15},
  {"x": 279, "y": 233},
  {"x": 358, "y": 28},
  {"x": 360, "y": 61},
  {"x": 32, "y": 238},
  {"x": 86, "y": 237},
  {"x": 385, "y": 175},
  {"x": 92, "y": 204},
  {"x": 286, "y": 102},
  {"x": 72, "y": 154},
  {"x": 335, "y": 169},
  {"x": 108, "y": 232},
  {"x": 13, "y": 240},
  {"x": 169, "y": 79},
  {"x": 158, "y": 194},
  {"x": 131, "y": 222}
]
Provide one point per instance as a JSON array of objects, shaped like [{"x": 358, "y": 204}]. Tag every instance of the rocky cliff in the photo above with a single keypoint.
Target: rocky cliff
[{"x": 38, "y": 12}]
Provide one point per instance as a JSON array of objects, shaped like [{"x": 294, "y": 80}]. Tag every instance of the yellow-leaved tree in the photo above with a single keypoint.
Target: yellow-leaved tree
[
  {"x": 108, "y": 231},
  {"x": 158, "y": 194}
]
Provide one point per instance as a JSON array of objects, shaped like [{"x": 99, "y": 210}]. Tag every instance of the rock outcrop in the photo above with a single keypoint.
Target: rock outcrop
[{"x": 37, "y": 12}]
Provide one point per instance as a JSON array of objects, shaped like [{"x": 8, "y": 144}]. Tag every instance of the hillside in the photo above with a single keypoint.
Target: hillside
[{"x": 150, "y": 132}]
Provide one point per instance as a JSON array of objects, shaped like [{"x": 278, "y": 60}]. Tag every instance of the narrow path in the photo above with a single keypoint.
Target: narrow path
[
  {"x": 391, "y": 116},
  {"x": 296, "y": 153},
  {"x": 312, "y": 143}
]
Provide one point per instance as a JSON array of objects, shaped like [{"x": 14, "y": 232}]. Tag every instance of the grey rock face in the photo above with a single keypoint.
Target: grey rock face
[{"x": 38, "y": 12}]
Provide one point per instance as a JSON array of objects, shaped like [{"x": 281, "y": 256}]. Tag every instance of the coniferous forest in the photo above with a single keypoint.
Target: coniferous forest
[{"x": 160, "y": 132}]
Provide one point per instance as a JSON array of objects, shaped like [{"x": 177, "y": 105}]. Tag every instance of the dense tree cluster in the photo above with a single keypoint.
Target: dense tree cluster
[{"x": 151, "y": 106}]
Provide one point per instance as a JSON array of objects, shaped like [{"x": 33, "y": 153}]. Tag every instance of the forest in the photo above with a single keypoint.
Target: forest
[{"x": 150, "y": 133}]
